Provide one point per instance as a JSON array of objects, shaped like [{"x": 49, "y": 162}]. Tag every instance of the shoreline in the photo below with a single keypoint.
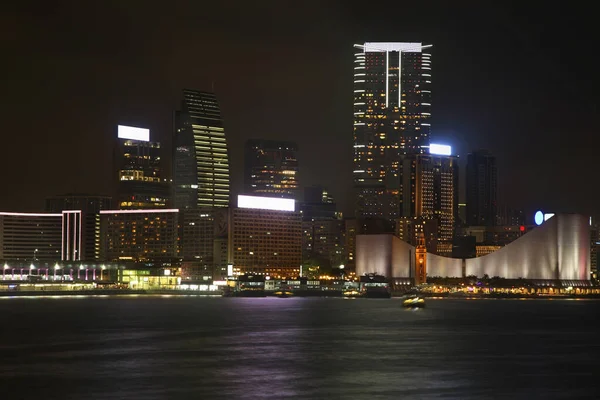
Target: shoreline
[{"x": 184, "y": 293}]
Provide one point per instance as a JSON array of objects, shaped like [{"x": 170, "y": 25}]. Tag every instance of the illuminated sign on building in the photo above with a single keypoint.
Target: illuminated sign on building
[
  {"x": 266, "y": 203},
  {"x": 540, "y": 217},
  {"x": 133, "y": 133},
  {"x": 440, "y": 149}
]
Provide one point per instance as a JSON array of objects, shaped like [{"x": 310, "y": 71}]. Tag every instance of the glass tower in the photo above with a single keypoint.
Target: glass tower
[
  {"x": 271, "y": 168},
  {"x": 391, "y": 119},
  {"x": 200, "y": 160}
]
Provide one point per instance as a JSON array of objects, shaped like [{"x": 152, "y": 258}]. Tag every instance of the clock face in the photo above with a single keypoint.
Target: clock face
[{"x": 539, "y": 218}]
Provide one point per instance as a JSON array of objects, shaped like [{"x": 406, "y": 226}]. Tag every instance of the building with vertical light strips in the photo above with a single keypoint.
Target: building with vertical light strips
[
  {"x": 200, "y": 159},
  {"x": 391, "y": 118},
  {"x": 41, "y": 236},
  {"x": 89, "y": 206}
]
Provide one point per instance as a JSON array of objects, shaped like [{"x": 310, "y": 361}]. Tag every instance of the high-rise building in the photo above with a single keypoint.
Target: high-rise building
[
  {"x": 323, "y": 230},
  {"x": 482, "y": 189},
  {"x": 140, "y": 183},
  {"x": 90, "y": 207},
  {"x": 204, "y": 232},
  {"x": 318, "y": 204},
  {"x": 391, "y": 118},
  {"x": 200, "y": 159},
  {"x": 508, "y": 216},
  {"x": 265, "y": 237},
  {"x": 271, "y": 168},
  {"x": 430, "y": 191}
]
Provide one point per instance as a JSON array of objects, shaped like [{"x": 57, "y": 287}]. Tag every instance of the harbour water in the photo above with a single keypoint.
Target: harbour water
[{"x": 159, "y": 347}]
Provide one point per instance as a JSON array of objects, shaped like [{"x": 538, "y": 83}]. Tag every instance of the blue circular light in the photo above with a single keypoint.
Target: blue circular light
[{"x": 539, "y": 218}]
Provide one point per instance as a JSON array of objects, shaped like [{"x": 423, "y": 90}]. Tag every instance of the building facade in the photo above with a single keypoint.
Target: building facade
[
  {"x": 90, "y": 207},
  {"x": 200, "y": 159},
  {"x": 140, "y": 184},
  {"x": 271, "y": 168},
  {"x": 430, "y": 191},
  {"x": 482, "y": 189},
  {"x": 204, "y": 233},
  {"x": 392, "y": 110},
  {"x": 265, "y": 237},
  {"x": 140, "y": 235},
  {"x": 31, "y": 236}
]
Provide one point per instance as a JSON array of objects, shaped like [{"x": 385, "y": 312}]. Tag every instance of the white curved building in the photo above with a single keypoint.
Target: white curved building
[{"x": 559, "y": 249}]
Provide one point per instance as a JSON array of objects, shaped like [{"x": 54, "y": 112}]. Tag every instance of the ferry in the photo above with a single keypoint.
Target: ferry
[
  {"x": 283, "y": 293},
  {"x": 413, "y": 302}
]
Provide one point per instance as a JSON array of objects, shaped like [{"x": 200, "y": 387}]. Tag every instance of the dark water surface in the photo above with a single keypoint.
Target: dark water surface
[{"x": 297, "y": 348}]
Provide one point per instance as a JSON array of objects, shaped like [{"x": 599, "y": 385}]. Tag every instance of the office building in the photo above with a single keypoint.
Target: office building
[
  {"x": 149, "y": 236},
  {"x": 430, "y": 191},
  {"x": 204, "y": 238},
  {"x": 31, "y": 236},
  {"x": 318, "y": 204},
  {"x": 265, "y": 237},
  {"x": 140, "y": 184},
  {"x": 323, "y": 242},
  {"x": 89, "y": 206},
  {"x": 392, "y": 111},
  {"x": 508, "y": 216},
  {"x": 482, "y": 189},
  {"x": 271, "y": 168},
  {"x": 351, "y": 227},
  {"x": 200, "y": 158}
]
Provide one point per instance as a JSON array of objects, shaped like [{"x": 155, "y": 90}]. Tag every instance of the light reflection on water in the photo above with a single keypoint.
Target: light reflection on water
[{"x": 230, "y": 348}]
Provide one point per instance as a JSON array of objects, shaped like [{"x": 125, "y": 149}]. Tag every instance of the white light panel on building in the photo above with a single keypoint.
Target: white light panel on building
[
  {"x": 133, "y": 133},
  {"x": 440, "y": 149},
  {"x": 266, "y": 203}
]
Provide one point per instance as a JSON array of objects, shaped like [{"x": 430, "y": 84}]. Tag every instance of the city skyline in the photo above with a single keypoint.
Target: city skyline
[{"x": 471, "y": 110}]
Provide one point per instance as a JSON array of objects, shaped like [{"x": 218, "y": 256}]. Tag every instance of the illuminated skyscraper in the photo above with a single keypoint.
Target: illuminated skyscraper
[
  {"x": 430, "y": 197},
  {"x": 138, "y": 170},
  {"x": 391, "y": 118},
  {"x": 271, "y": 168},
  {"x": 200, "y": 160}
]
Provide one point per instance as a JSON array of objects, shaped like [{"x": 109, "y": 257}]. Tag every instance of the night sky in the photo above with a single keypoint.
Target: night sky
[{"x": 518, "y": 80}]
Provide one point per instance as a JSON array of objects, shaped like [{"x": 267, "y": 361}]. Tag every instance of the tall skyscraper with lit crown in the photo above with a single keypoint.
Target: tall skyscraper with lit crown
[
  {"x": 391, "y": 118},
  {"x": 200, "y": 160}
]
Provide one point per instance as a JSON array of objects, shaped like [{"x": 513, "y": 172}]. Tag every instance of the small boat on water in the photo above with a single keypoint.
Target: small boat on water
[
  {"x": 413, "y": 302},
  {"x": 352, "y": 293},
  {"x": 283, "y": 293}
]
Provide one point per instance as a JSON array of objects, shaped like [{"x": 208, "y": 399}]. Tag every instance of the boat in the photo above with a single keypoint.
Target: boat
[
  {"x": 352, "y": 293},
  {"x": 283, "y": 293},
  {"x": 413, "y": 302}
]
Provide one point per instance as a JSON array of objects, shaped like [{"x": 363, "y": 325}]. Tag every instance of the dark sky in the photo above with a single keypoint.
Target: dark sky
[{"x": 518, "y": 80}]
